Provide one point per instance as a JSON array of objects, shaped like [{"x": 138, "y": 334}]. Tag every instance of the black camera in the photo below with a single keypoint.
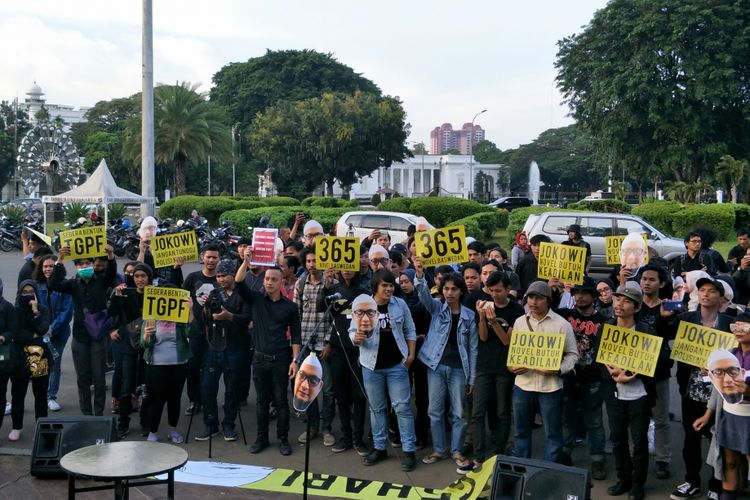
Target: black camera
[{"x": 215, "y": 301}]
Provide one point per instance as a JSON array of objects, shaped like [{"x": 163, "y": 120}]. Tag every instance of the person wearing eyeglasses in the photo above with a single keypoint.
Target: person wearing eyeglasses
[
  {"x": 312, "y": 230},
  {"x": 694, "y": 259},
  {"x": 308, "y": 382},
  {"x": 387, "y": 345},
  {"x": 730, "y": 406},
  {"x": 603, "y": 306}
]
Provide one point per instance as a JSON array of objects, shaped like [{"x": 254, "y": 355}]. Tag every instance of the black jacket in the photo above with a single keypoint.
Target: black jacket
[{"x": 29, "y": 325}]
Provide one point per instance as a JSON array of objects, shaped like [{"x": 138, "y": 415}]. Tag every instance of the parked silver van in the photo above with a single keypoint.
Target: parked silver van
[{"x": 596, "y": 226}]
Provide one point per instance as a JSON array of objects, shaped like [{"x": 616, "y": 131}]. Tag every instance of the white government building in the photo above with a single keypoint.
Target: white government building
[
  {"x": 417, "y": 176},
  {"x": 68, "y": 114}
]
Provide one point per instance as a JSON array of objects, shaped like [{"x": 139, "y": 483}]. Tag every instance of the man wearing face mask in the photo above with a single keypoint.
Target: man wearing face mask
[{"x": 90, "y": 295}]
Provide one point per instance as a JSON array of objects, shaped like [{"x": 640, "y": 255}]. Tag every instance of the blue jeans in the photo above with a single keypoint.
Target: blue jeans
[
  {"x": 395, "y": 380},
  {"x": 220, "y": 363},
  {"x": 59, "y": 341},
  {"x": 442, "y": 381},
  {"x": 586, "y": 396},
  {"x": 525, "y": 404}
]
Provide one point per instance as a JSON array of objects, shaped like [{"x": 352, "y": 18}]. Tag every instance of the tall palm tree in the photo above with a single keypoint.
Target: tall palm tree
[
  {"x": 188, "y": 128},
  {"x": 732, "y": 173}
]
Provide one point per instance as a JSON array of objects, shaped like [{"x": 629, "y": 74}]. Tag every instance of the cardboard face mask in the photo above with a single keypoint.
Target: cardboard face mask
[
  {"x": 633, "y": 252},
  {"x": 307, "y": 383},
  {"x": 727, "y": 377},
  {"x": 148, "y": 228}
]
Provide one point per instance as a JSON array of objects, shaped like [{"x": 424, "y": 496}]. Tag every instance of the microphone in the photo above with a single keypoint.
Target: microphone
[{"x": 333, "y": 298}]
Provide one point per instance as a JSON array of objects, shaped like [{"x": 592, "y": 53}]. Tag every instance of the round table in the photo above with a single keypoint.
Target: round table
[{"x": 122, "y": 462}]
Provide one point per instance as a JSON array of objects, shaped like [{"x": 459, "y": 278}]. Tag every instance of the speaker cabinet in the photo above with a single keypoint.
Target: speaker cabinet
[
  {"x": 526, "y": 479},
  {"x": 56, "y": 436}
]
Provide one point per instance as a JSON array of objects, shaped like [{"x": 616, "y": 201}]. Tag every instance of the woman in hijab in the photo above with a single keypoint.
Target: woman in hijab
[{"x": 520, "y": 248}]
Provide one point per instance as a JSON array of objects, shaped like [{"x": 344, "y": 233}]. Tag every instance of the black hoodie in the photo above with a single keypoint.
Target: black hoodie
[{"x": 30, "y": 325}]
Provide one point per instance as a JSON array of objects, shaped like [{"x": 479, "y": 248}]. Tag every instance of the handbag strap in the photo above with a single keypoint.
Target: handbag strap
[{"x": 528, "y": 323}]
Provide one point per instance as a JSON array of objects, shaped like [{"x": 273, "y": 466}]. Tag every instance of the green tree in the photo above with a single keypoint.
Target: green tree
[
  {"x": 419, "y": 149},
  {"x": 187, "y": 129},
  {"x": 662, "y": 86},
  {"x": 100, "y": 145},
  {"x": 451, "y": 151},
  {"x": 731, "y": 174},
  {"x": 565, "y": 157},
  {"x": 485, "y": 151},
  {"x": 329, "y": 138},
  {"x": 7, "y": 157}
]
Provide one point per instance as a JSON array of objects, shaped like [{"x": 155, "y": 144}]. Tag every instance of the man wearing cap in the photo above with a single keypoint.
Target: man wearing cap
[
  {"x": 541, "y": 388},
  {"x": 576, "y": 240},
  {"x": 312, "y": 230},
  {"x": 228, "y": 343},
  {"x": 694, "y": 391},
  {"x": 629, "y": 397},
  {"x": 581, "y": 389}
]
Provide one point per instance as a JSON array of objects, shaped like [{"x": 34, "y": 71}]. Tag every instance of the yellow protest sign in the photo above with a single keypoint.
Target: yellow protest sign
[
  {"x": 694, "y": 343},
  {"x": 567, "y": 263},
  {"x": 165, "y": 303},
  {"x": 613, "y": 244},
  {"x": 85, "y": 242},
  {"x": 629, "y": 349},
  {"x": 536, "y": 350},
  {"x": 337, "y": 252},
  {"x": 446, "y": 245},
  {"x": 167, "y": 247}
]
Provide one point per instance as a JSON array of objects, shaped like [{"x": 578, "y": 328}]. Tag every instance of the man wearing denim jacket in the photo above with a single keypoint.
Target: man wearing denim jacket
[
  {"x": 450, "y": 353},
  {"x": 379, "y": 324},
  {"x": 541, "y": 388}
]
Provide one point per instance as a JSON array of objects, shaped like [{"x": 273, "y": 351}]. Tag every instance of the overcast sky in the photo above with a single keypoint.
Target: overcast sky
[{"x": 446, "y": 60}]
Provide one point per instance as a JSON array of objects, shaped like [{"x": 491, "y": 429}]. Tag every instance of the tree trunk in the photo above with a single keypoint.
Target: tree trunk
[
  {"x": 179, "y": 178},
  {"x": 734, "y": 193}
]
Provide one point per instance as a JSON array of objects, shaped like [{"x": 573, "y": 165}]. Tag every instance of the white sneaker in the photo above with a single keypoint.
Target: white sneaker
[
  {"x": 7, "y": 408},
  {"x": 53, "y": 405},
  {"x": 14, "y": 435}
]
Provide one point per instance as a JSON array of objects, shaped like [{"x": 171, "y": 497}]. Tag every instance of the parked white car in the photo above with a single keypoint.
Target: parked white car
[{"x": 362, "y": 223}]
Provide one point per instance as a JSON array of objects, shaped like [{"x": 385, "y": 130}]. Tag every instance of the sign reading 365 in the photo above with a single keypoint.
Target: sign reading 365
[
  {"x": 337, "y": 252},
  {"x": 446, "y": 245}
]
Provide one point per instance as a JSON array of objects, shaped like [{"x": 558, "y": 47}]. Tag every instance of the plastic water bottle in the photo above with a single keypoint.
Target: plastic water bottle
[{"x": 55, "y": 354}]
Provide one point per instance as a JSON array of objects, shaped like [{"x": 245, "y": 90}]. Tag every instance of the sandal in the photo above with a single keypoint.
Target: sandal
[{"x": 434, "y": 457}]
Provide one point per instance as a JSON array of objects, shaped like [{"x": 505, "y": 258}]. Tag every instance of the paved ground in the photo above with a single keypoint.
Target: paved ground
[{"x": 15, "y": 482}]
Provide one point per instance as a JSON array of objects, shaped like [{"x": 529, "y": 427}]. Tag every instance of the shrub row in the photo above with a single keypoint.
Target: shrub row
[
  {"x": 676, "y": 219},
  {"x": 482, "y": 225},
  {"x": 328, "y": 202},
  {"x": 243, "y": 220},
  {"x": 439, "y": 211},
  {"x": 658, "y": 213},
  {"x": 211, "y": 207},
  {"x": 605, "y": 206}
]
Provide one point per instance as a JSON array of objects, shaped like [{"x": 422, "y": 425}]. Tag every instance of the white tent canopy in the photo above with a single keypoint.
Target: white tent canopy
[{"x": 99, "y": 188}]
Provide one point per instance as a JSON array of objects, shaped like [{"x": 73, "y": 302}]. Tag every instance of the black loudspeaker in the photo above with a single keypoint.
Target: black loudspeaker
[
  {"x": 56, "y": 436},
  {"x": 525, "y": 479}
]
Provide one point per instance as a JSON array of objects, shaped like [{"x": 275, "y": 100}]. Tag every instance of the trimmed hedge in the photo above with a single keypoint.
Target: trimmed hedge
[
  {"x": 660, "y": 214},
  {"x": 241, "y": 219},
  {"x": 328, "y": 202},
  {"x": 741, "y": 216},
  {"x": 439, "y": 211},
  {"x": 519, "y": 215},
  {"x": 396, "y": 205},
  {"x": 281, "y": 201},
  {"x": 604, "y": 206},
  {"x": 720, "y": 218},
  {"x": 483, "y": 225}
]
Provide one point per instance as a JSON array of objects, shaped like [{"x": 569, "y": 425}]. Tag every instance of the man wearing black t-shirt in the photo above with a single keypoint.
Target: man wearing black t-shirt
[
  {"x": 582, "y": 386},
  {"x": 653, "y": 279},
  {"x": 197, "y": 341},
  {"x": 493, "y": 378}
]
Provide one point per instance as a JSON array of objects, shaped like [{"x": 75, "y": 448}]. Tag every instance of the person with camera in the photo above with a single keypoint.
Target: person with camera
[
  {"x": 90, "y": 323},
  {"x": 226, "y": 317},
  {"x": 126, "y": 308},
  {"x": 199, "y": 283},
  {"x": 273, "y": 358}
]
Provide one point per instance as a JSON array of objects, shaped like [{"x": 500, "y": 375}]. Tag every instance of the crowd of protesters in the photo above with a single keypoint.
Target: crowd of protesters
[{"x": 424, "y": 350}]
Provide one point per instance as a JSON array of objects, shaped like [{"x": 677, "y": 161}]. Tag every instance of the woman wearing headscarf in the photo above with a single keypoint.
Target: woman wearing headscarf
[
  {"x": 33, "y": 356},
  {"x": 126, "y": 307},
  {"x": 520, "y": 248}
]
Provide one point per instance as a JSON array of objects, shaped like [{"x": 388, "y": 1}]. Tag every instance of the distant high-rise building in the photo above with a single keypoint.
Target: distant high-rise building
[{"x": 444, "y": 138}]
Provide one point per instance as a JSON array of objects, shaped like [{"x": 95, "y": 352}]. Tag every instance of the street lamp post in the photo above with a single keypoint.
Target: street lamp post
[
  {"x": 471, "y": 155},
  {"x": 234, "y": 131}
]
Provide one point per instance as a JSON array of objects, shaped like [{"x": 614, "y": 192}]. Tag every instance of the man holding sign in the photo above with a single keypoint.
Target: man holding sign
[
  {"x": 540, "y": 388},
  {"x": 628, "y": 396}
]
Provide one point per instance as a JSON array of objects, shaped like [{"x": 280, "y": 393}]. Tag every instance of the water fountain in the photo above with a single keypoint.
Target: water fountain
[{"x": 534, "y": 183}]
